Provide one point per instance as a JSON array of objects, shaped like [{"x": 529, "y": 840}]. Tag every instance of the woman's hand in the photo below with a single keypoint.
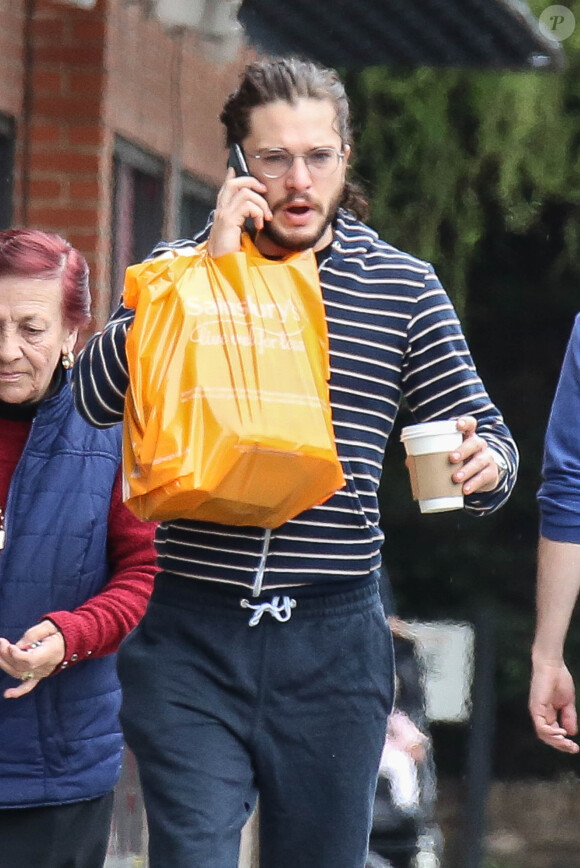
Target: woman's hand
[{"x": 36, "y": 655}]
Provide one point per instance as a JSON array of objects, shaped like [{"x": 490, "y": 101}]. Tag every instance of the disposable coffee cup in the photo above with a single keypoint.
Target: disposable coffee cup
[{"x": 428, "y": 446}]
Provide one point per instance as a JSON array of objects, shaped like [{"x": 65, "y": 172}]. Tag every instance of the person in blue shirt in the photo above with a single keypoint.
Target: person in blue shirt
[{"x": 552, "y": 694}]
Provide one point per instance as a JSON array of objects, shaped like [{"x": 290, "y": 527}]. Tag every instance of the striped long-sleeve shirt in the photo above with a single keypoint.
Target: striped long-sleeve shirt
[{"x": 393, "y": 333}]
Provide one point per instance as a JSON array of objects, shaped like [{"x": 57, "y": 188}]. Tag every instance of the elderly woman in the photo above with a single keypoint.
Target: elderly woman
[{"x": 76, "y": 571}]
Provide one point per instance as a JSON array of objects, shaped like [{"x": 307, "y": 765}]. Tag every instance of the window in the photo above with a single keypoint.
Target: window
[
  {"x": 197, "y": 200},
  {"x": 6, "y": 170},
  {"x": 137, "y": 209}
]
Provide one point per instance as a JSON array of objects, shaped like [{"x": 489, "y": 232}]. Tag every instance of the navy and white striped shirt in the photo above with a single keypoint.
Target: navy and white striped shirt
[{"x": 393, "y": 332}]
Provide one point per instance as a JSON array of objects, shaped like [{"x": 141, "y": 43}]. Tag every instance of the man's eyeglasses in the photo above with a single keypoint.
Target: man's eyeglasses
[{"x": 275, "y": 162}]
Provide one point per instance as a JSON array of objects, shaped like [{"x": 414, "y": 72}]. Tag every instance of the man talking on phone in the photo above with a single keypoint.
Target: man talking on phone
[{"x": 293, "y": 708}]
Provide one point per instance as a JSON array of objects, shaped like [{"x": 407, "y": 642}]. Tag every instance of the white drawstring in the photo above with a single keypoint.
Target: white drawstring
[{"x": 281, "y": 611}]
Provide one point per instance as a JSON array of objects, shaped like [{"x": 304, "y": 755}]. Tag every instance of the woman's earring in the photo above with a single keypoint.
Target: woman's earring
[{"x": 67, "y": 360}]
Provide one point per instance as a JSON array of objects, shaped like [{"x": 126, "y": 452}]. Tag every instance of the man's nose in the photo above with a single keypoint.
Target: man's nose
[{"x": 298, "y": 176}]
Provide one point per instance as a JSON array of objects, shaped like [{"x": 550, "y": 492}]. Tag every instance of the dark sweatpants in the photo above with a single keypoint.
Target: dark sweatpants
[
  {"x": 216, "y": 711},
  {"x": 58, "y": 836}
]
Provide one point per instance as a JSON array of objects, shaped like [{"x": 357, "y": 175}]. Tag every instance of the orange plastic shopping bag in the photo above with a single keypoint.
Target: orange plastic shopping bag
[{"x": 227, "y": 416}]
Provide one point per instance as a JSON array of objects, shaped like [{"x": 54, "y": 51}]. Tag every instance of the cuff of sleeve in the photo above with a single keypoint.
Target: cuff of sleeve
[
  {"x": 502, "y": 466},
  {"x": 560, "y": 533},
  {"x": 75, "y": 646}
]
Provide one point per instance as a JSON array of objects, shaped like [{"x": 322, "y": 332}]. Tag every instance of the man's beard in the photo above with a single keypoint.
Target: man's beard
[{"x": 287, "y": 242}]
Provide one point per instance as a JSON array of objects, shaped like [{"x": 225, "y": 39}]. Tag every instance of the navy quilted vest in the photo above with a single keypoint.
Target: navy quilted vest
[{"x": 61, "y": 742}]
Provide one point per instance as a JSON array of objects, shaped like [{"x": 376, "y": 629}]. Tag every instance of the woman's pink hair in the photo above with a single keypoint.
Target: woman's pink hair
[{"x": 42, "y": 255}]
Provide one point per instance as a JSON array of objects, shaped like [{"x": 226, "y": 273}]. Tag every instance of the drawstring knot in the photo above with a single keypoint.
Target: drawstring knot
[{"x": 280, "y": 609}]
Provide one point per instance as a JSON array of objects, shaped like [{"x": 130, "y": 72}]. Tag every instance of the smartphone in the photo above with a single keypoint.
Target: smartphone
[{"x": 238, "y": 161}]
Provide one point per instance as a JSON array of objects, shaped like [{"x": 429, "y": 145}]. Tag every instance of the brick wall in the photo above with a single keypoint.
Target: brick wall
[
  {"x": 11, "y": 56},
  {"x": 64, "y": 132},
  {"x": 164, "y": 93},
  {"x": 91, "y": 75},
  {"x": 12, "y": 71}
]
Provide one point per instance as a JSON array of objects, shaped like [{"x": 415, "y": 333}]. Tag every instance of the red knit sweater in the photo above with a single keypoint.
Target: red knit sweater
[{"x": 97, "y": 627}]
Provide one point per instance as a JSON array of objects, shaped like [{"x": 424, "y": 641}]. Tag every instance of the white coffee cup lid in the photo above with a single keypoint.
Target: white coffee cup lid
[{"x": 422, "y": 429}]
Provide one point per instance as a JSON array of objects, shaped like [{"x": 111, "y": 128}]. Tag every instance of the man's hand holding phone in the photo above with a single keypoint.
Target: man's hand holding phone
[{"x": 240, "y": 200}]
